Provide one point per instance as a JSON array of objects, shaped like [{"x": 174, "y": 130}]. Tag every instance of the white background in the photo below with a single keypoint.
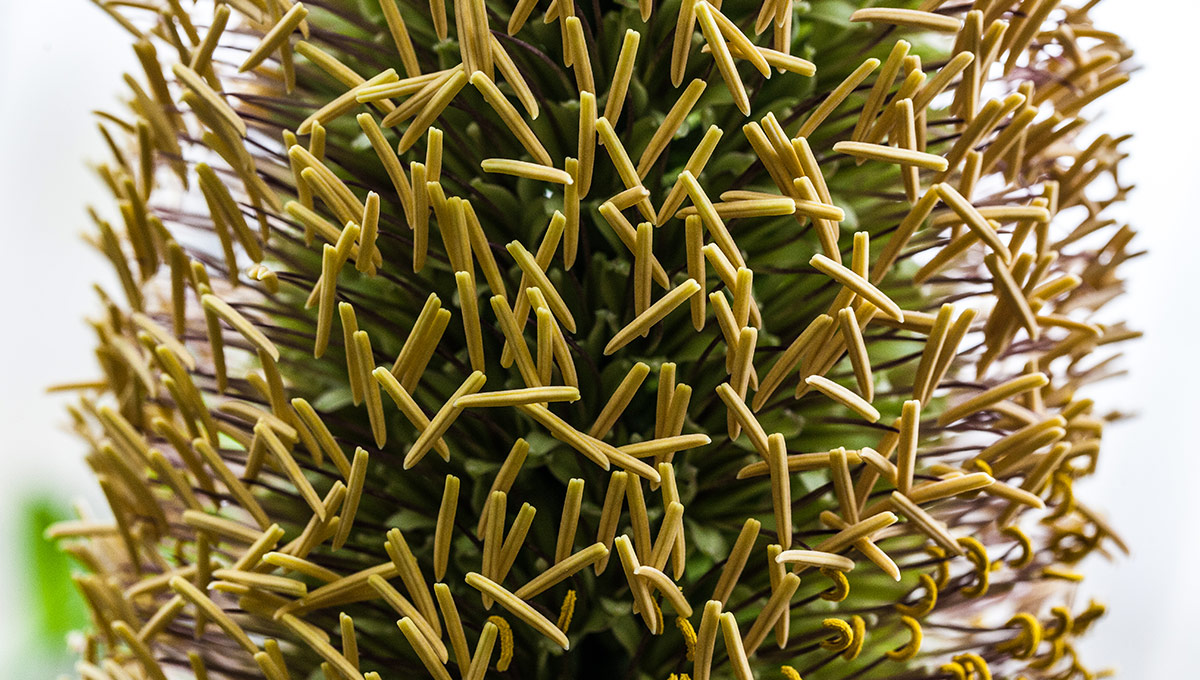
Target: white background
[{"x": 60, "y": 60}]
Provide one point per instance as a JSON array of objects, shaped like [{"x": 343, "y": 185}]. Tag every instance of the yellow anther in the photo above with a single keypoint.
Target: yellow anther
[
  {"x": 1014, "y": 532},
  {"x": 982, "y": 466},
  {"x": 910, "y": 648},
  {"x": 1077, "y": 667},
  {"x": 943, "y": 566},
  {"x": 506, "y": 642},
  {"x": 1062, "y": 575},
  {"x": 1056, "y": 652},
  {"x": 658, "y": 615},
  {"x": 860, "y": 636},
  {"x": 978, "y": 557},
  {"x": 790, "y": 673},
  {"x": 955, "y": 669},
  {"x": 689, "y": 636},
  {"x": 567, "y": 611},
  {"x": 842, "y": 636},
  {"x": 1072, "y": 545},
  {"x": 975, "y": 665},
  {"x": 1061, "y": 488},
  {"x": 1025, "y": 644},
  {"x": 841, "y": 586},
  {"x": 974, "y": 549},
  {"x": 1087, "y": 617},
  {"x": 926, "y": 603},
  {"x": 1061, "y": 626}
]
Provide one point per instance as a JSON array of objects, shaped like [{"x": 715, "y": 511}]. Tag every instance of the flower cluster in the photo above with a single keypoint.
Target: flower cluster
[{"x": 787, "y": 313}]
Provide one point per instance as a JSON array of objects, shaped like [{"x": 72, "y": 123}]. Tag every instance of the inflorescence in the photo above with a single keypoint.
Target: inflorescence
[{"x": 787, "y": 310}]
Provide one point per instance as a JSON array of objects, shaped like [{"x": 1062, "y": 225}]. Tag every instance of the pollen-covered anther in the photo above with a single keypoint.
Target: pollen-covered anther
[
  {"x": 841, "y": 586},
  {"x": 977, "y": 555},
  {"x": 909, "y": 649},
  {"x": 926, "y": 603},
  {"x": 841, "y": 637},
  {"x": 1025, "y": 644}
]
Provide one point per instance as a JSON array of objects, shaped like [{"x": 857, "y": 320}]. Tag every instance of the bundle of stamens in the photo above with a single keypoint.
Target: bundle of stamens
[{"x": 747, "y": 340}]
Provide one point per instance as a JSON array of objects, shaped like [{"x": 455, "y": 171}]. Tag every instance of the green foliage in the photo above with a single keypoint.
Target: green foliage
[{"x": 53, "y": 606}]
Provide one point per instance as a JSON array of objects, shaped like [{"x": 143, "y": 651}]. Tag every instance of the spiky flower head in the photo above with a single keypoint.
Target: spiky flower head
[{"x": 552, "y": 340}]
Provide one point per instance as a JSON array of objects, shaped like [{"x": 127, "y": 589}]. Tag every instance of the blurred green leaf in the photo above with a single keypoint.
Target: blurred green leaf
[{"x": 54, "y": 606}]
